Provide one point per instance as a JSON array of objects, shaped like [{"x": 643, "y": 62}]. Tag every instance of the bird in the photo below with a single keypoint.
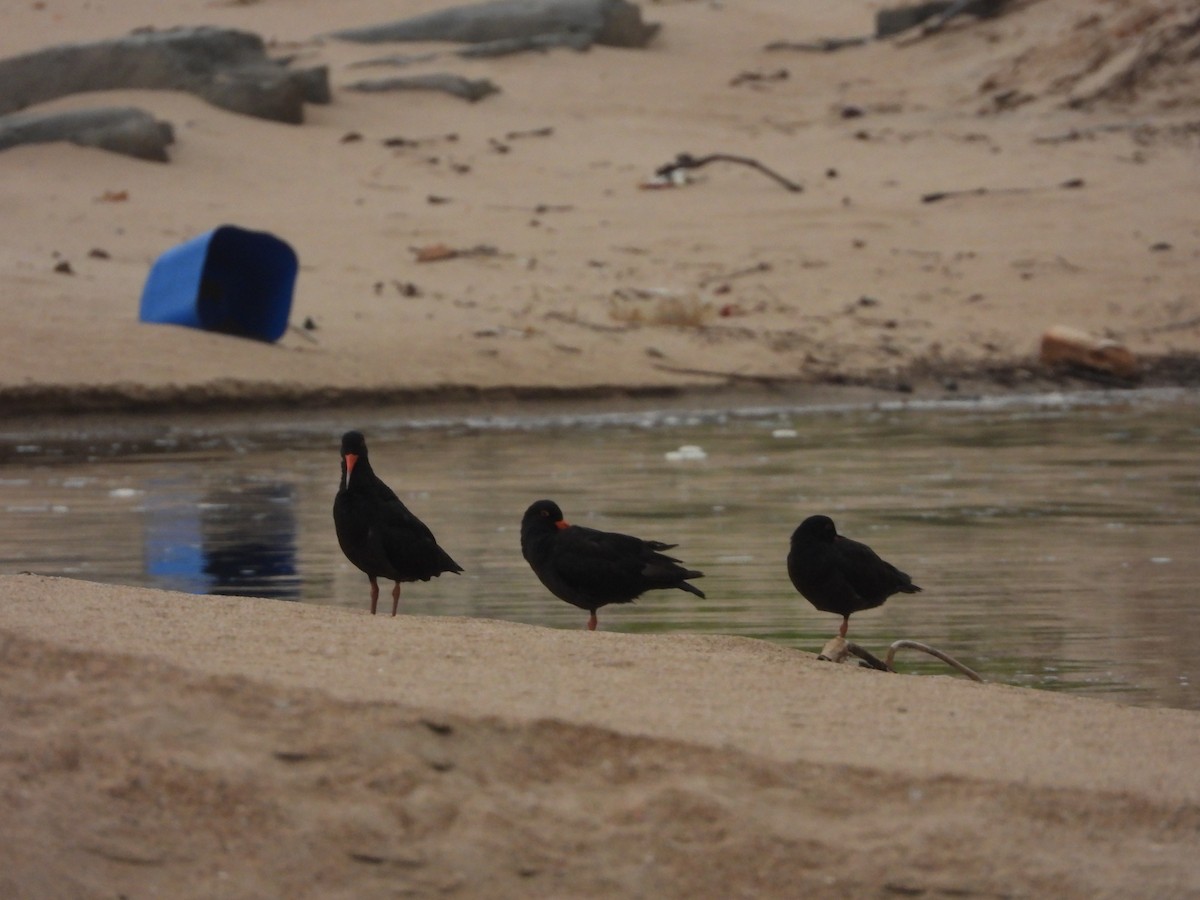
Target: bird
[
  {"x": 590, "y": 568},
  {"x": 838, "y": 575},
  {"x": 377, "y": 532}
]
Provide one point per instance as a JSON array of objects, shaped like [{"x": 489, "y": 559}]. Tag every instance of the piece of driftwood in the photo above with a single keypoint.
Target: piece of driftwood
[
  {"x": 933, "y": 16},
  {"x": 938, "y": 196},
  {"x": 468, "y": 88},
  {"x": 1072, "y": 348},
  {"x": 685, "y": 161},
  {"x": 932, "y": 651},
  {"x": 615, "y": 23},
  {"x": 128, "y": 130},
  {"x": 821, "y": 45},
  {"x": 230, "y": 69},
  {"x": 897, "y": 20},
  {"x": 509, "y": 46},
  {"x": 486, "y": 50},
  {"x": 840, "y": 650}
]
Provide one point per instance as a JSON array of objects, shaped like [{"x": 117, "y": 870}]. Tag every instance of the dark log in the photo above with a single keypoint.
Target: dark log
[
  {"x": 127, "y": 130},
  {"x": 615, "y": 23},
  {"x": 229, "y": 69}
]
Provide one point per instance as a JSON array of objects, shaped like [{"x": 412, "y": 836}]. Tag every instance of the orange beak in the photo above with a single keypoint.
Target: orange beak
[
  {"x": 561, "y": 524},
  {"x": 351, "y": 459}
]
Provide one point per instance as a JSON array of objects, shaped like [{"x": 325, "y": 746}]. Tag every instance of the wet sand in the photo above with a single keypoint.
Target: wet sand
[{"x": 158, "y": 743}]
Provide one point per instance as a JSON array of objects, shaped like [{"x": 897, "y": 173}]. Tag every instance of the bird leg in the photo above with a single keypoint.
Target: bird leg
[
  {"x": 374, "y": 593},
  {"x": 592, "y": 621},
  {"x": 845, "y": 625},
  {"x": 395, "y": 598}
]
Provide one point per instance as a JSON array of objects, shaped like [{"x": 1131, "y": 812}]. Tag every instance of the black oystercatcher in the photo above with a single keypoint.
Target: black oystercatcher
[
  {"x": 838, "y": 575},
  {"x": 591, "y": 568},
  {"x": 377, "y": 532}
]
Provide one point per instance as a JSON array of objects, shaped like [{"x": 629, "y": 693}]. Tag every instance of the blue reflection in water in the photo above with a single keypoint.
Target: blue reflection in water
[{"x": 237, "y": 540}]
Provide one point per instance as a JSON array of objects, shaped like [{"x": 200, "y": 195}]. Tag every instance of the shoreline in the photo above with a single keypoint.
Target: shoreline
[{"x": 918, "y": 380}]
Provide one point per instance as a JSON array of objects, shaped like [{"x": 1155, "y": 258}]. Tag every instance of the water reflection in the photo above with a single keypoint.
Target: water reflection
[
  {"x": 1056, "y": 543},
  {"x": 237, "y": 539}
]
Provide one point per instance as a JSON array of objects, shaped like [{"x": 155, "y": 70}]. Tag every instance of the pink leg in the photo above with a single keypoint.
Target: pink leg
[
  {"x": 395, "y": 598},
  {"x": 593, "y": 621},
  {"x": 845, "y": 625},
  {"x": 374, "y": 593}
]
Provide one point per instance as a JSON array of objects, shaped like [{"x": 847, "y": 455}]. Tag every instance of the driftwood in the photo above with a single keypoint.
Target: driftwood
[
  {"x": 897, "y": 20},
  {"x": 821, "y": 45},
  {"x": 486, "y": 50},
  {"x": 615, "y": 23},
  {"x": 468, "y": 88},
  {"x": 938, "y": 196},
  {"x": 127, "y": 130},
  {"x": 840, "y": 650},
  {"x": 933, "y": 16},
  {"x": 229, "y": 69},
  {"x": 685, "y": 161},
  {"x": 508, "y": 46}
]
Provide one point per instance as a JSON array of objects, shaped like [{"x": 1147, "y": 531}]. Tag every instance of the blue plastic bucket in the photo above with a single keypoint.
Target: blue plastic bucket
[{"x": 229, "y": 280}]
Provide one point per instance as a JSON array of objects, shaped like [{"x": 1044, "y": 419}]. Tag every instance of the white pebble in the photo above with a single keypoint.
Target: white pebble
[{"x": 686, "y": 452}]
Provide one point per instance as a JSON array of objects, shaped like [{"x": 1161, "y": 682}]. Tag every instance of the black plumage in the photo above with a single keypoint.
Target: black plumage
[
  {"x": 377, "y": 532},
  {"x": 838, "y": 575},
  {"x": 590, "y": 568}
]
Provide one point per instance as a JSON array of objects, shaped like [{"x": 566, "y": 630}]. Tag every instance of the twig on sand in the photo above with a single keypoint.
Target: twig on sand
[
  {"x": 1069, "y": 184},
  {"x": 821, "y": 45},
  {"x": 838, "y": 650},
  {"x": 685, "y": 161},
  {"x": 736, "y": 273},
  {"x": 932, "y": 651}
]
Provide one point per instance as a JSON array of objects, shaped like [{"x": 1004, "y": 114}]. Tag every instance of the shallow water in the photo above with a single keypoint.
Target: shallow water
[{"x": 1055, "y": 538}]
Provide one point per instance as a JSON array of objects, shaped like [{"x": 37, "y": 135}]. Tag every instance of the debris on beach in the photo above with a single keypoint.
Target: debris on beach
[
  {"x": 840, "y": 650},
  {"x": 1073, "y": 349},
  {"x": 439, "y": 252},
  {"x": 686, "y": 453},
  {"x": 229, "y": 69},
  {"x": 933, "y": 16},
  {"x": 127, "y": 130},
  {"x": 519, "y": 24},
  {"x": 472, "y": 89},
  {"x": 675, "y": 173}
]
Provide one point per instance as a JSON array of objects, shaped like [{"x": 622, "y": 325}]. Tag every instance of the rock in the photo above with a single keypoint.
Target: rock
[
  {"x": 615, "y": 23},
  {"x": 229, "y": 69},
  {"x": 127, "y": 130},
  {"x": 1067, "y": 347}
]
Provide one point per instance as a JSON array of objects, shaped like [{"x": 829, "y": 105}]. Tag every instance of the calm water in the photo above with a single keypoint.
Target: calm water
[{"x": 1056, "y": 539}]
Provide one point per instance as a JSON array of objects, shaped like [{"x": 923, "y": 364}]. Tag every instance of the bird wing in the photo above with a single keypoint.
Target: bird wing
[
  {"x": 584, "y": 555},
  {"x": 870, "y": 576},
  {"x": 394, "y": 518},
  {"x": 407, "y": 543}
]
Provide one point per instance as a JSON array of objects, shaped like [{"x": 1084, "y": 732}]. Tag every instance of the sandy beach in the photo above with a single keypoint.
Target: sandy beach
[
  {"x": 161, "y": 744},
  {"x": 584, "y": 282},
  {"x": 165, "y": 744}
]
